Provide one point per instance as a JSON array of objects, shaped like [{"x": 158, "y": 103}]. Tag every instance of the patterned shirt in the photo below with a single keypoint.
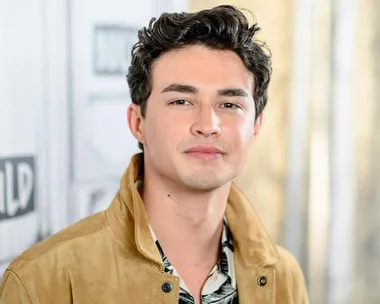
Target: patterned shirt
[{"x": 220, "y": 286}]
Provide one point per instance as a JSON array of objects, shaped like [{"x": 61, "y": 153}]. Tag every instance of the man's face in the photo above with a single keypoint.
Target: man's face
[{"x": 200, "y": 118}]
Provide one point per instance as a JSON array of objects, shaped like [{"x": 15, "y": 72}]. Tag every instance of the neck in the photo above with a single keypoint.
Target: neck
[{"x": 185, "y": 221}]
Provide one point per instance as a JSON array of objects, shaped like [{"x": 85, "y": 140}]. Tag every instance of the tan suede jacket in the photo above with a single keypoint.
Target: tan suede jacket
[{"x": 110, "y": 257}]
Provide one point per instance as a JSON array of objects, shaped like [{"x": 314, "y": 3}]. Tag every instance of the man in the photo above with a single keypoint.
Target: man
[{"x": 178, "y": 230}]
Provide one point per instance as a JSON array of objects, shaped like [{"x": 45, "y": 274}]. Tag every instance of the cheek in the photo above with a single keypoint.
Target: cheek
[
  {"x": 164, "y": 131},
  {"x": 242, "y": 133}
]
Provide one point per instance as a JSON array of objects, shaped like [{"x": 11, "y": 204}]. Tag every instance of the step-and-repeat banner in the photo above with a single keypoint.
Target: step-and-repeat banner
[{"x": 18, "y": 215}]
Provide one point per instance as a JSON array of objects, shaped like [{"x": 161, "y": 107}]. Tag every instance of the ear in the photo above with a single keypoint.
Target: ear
[
  {"x": 136, "y": 122},
  {"x": 257, "y": 126}
]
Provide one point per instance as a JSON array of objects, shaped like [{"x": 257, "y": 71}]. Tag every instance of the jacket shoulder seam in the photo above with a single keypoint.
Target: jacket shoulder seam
[
  {"x": 25, "y": 265},
  {"x": 22, "y": 283}
]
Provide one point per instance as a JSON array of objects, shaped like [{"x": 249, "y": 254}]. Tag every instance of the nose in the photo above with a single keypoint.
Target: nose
[{"x": 206, "y": 122}]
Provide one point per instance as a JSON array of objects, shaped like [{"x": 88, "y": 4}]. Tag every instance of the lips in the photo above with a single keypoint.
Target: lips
[
  {"x": 205, "y": 149},
  {"x": 205, "y": 152}
]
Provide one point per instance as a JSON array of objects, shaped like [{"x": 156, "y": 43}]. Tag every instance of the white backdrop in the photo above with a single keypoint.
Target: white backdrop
[{"x": 21, "y": 97}]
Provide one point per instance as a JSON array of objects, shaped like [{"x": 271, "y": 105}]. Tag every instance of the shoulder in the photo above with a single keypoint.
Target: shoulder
[
  {"x": 62, "y": 248},
  {"x": 290, "y": 279},
  {"x": 44, "y": 272}
]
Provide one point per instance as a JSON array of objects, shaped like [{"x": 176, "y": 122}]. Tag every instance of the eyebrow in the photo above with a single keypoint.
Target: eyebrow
[
  {"x": 180, "y": 88},
  {"x": 233, "y": 92},
  {"x": 183, "y": 88}
]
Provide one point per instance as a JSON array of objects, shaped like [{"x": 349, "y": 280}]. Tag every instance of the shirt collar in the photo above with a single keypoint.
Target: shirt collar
[{"x": 226, "y": 263}]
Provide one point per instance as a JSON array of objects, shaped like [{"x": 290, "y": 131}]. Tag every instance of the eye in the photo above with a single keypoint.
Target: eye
[
  {"x": 180, "y": 102},
  {"x": 230, "y": 105}
]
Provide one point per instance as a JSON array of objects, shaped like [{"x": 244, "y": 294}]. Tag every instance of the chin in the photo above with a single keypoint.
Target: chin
[{"x": 205, "y": 182}]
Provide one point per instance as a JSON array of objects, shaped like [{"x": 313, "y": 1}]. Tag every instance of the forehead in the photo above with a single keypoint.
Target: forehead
[{"x": 202, "y": 67}]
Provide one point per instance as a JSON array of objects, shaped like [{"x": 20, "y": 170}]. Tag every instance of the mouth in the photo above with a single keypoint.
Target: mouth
[{"x": 205, "y": 152}]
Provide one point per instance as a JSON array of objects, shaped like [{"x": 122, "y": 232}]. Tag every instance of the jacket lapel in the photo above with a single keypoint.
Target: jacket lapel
[
  {"x": 255, "y": 253},
  {"x": 129, "y": 220},
  {"x": 249, "y": 290}
]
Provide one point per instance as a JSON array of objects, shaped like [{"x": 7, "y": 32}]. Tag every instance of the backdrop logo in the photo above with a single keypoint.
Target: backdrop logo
[
  {"x": 112, "y": 45},
  {"x": 17, "y": 186}
]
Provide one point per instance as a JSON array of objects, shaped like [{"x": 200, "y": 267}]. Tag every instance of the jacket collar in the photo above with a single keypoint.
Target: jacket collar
[
  {"x": 129, "y": 222},
  {"x": 250, "y": 236}
]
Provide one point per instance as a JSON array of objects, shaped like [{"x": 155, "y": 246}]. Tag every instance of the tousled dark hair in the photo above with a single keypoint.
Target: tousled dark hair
[{"x": 223, "y": 28}]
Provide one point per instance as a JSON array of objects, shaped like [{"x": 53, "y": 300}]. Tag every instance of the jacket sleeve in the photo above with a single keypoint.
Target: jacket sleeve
[
  {"x": 293, "y": 275},
  {"x": 12, "y": 290}
]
